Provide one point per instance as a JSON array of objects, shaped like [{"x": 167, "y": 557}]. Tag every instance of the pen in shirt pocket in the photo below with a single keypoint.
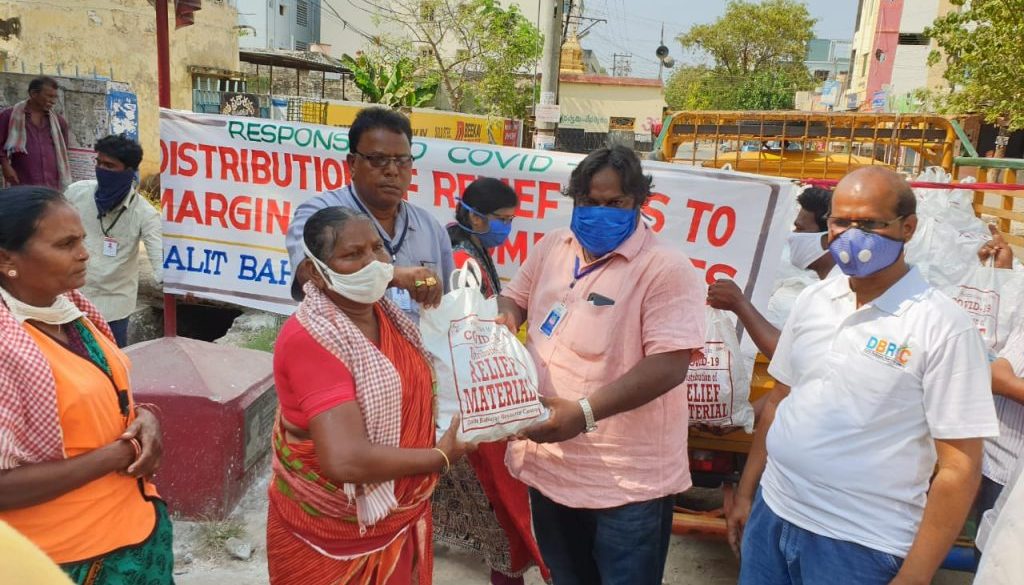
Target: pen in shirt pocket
[{"x": 599, "y": 300}]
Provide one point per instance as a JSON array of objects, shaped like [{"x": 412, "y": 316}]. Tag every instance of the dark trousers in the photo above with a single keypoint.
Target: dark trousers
[
  {"x": 988, "y": 493},
  {"x": 120, "y": 330},
  {"x": 626, "y": 545}
]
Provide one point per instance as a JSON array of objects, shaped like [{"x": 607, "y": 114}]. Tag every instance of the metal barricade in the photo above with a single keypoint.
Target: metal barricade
[{"x": 802, "y": 145}]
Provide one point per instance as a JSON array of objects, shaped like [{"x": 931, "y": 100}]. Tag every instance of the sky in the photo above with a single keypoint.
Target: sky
[{"x": 634, "y": 26}]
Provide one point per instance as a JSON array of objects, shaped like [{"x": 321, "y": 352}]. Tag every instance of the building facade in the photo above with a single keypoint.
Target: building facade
[
  {"x": 889, "y": 60},
  {"x": 828, "y": 58},
  {"x": 116, "y": 40},
  {"x": 291, "y": 25}
]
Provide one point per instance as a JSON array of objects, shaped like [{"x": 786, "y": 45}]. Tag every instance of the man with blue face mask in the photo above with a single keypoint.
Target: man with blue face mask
[
  {"x": 116, "y": 218},
  {"x": 615, "y": 316},
  {"x": 881, "y": 380}
]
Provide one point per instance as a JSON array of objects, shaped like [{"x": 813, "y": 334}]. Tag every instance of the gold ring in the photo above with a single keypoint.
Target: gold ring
[{"x": 431, "y": 281}]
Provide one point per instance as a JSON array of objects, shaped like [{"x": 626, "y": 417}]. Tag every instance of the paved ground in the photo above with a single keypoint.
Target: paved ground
[{"x": 202, "y": 559}]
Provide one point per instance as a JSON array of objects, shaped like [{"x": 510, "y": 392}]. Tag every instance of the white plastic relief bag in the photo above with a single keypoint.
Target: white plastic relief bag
[
  {"x": 718, "y": 383},
  {"x": 993, "y": 298},
  {"x": 483, "y": 372}
]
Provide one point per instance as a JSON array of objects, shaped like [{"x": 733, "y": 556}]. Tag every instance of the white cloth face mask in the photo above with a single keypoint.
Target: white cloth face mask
[
  {"x": 61, "y": 312},
  {"x": 805, "y": 248},
  {"x": 367, "y": 285}
]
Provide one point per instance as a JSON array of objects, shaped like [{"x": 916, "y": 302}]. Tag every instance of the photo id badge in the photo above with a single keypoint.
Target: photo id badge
[
  {"x": 401, "y": 298},
  {"x": 109, "y": 247},
  {"x": 550, "y": 323}
]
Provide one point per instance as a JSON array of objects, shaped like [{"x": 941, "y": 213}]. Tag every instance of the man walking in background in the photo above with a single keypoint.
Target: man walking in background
[{"x": 35, "y": 139}]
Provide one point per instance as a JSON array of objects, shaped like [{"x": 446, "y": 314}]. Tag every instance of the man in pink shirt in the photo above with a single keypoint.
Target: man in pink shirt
[{"x": 615, "y": 315}]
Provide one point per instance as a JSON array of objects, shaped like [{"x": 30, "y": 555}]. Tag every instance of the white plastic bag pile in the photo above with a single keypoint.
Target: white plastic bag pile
[
  {"x": 993, "y": 298},
  {"x": 945, "y": 246},
  {"x": 718, "y": 383},
  {"x": 483, "y": 372}
]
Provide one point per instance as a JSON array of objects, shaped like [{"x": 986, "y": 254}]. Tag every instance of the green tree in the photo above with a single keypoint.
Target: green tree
[
  {"x": 480, "y": 54},
  {"x": 984, "y": 56},
  {"x": 389, "y": 84},
  {"x": 755, "y": 53}
]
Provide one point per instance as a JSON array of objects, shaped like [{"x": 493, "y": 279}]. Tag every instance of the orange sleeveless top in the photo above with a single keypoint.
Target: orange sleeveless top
[{"x": 110, "y": 512}]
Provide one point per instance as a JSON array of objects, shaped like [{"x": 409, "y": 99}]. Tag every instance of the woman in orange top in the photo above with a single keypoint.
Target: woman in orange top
[
  {"x": 355, "y": 461},
  {"x": 74, "y": 451}
]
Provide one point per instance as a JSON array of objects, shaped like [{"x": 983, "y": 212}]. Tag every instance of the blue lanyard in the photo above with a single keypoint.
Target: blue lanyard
[
  {"x": 577, "y": 275},
  {"x": 393, "y": 250}
]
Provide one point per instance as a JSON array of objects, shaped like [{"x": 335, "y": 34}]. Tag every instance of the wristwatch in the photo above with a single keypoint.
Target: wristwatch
[{"x": 588, "y": 416}]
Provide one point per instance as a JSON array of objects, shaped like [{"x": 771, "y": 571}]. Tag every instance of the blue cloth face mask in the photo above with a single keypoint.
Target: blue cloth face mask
[
  {"x": 112, "y": 187},
  {"x": 859, "y": 253},
  {"x": 602, "y": 229},
  {"x": 496, "y": 234}
]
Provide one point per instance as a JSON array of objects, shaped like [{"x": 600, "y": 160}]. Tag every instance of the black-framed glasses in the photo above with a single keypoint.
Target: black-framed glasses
[
  {"x": 871, "y": 225},
  {"x": 379, "y": 161},
  {"x": 504, "y": 220}
]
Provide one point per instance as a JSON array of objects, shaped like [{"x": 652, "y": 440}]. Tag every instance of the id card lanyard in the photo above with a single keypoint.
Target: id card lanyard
[
  {"x": 391, "y": 248},
  {"x": 557, "y": 312},
  {"x": 400, "y": 296}
]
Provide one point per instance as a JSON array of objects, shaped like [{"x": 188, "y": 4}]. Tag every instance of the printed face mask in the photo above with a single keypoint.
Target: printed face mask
[
  {"x": 602, "y": 229},
  {"x": 805, "y": 248},
  {"x": 367, "y": 285},
  {"x": 859, "y": 253}
]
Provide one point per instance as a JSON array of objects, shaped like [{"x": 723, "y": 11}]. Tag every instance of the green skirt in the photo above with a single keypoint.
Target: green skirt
[{"x": 149, "y": 563}]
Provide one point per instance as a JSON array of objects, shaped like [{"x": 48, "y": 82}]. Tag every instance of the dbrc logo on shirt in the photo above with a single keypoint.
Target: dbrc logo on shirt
[{"x": 888, "y": 351}]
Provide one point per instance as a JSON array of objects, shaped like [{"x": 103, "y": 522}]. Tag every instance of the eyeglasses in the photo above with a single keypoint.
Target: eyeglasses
[
  {"x": 379, "y": 161},
  {"x": 871, "y": 225},
  {"x": 505, "y": 220}
]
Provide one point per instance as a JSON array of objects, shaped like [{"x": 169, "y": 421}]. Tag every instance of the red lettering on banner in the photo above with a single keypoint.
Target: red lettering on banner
[
  {"x": 260, "y": 167},
  {"x": 717, "y": 236},
  {"x": 515, "y": 249},
  {"x": 525, "y": 198},
  {"x": 229, "y": 164},
  {"x": 302, "y": 160},
  {"x": 189, "y": 209},
  {"x": 547, "y": 187},
  {"x": 242, "y": 212},
  {"x": 208, "y": 151},
  {"x": 279, "y": 211},
  {"x": 279, "y": 179},
  {"x": 715, "y": 271},
  {"x": 444, "y": 186},
  {"x": 656, "y": 214},
  {"x": 188, "y": 158},
  {"x": 211, "y": 213},
  {"x": 699, "y": 208},
  {"x": 334, "y": 175}
]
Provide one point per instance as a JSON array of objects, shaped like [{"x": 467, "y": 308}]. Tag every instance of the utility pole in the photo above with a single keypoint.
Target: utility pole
[
  {"x": 551, "y": 23},
  {"x": 621, "y": 66}
]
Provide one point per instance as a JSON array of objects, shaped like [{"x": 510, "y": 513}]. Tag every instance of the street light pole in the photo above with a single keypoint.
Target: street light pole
[{"x": 163, "y": 69}]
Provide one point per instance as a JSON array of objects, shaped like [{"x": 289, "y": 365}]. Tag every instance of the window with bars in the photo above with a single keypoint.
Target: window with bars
[{"x": 917, "y": 39}]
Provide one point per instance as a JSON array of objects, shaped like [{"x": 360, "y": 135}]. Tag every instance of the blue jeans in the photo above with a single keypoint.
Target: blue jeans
[
  {"x": 120, "y": 331},
  {"x": 626, "y": 545},
  {"x": 776, "y": 552}
]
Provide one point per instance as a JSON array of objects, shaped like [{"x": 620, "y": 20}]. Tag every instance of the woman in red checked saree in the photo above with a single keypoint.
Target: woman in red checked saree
[{"x": 355, "y": 460}]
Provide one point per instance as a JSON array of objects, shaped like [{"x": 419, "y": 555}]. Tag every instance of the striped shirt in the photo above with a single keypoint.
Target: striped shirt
[{"x": 1001, "y": 453}]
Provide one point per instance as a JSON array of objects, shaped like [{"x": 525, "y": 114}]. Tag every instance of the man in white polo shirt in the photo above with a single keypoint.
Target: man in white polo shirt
[{"x": 881, "y": 378}]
